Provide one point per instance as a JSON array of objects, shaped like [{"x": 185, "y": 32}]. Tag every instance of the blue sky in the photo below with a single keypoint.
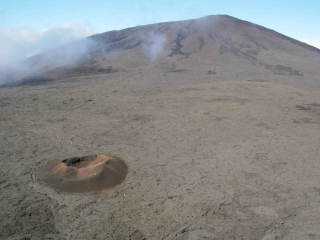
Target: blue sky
[
  {"x": 35, "y": 22},
  {"x": 297, "y": 18}
]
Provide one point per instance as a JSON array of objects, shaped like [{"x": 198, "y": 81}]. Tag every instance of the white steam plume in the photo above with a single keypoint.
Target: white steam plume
[
  {"x": 155, "y": 45},
  {"x": 16, "y": 45}
]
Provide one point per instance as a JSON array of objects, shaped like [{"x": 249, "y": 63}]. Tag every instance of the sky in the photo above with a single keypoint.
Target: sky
[{"x": 30, "y": 26}]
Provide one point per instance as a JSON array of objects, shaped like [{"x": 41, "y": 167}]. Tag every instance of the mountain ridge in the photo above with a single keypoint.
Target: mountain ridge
[
  {"x": 223, "y": 16},
  {"x": 235, "y": 19},
  {"x": 221, "y": 46}
]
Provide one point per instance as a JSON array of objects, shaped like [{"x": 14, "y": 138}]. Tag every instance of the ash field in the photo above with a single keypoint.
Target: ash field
[{"x": 200, "y": 129}]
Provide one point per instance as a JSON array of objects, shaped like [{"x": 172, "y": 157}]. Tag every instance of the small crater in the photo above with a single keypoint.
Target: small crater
[{"x": 86, "y": 174}]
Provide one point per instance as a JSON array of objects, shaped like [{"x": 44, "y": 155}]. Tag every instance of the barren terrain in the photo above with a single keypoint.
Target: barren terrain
[{"x": 208, "y": 157}]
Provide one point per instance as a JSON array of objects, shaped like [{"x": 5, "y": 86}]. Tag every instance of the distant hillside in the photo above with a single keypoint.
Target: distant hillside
[{"x": 214, "y": 47}]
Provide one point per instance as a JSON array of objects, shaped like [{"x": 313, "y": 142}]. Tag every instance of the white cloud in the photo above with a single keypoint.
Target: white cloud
[{"x": 17, "y": 44}]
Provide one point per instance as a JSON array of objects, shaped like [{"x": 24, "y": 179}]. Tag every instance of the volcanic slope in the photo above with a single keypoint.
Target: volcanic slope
[
  {"x": 213, "y": 142},
  {"x": 217, "y": 47}
]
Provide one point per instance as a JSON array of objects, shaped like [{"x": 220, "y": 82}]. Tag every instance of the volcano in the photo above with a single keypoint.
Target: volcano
[
  {"x": 199, "y": 129},
  {"x": 218, "y": 47}
]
